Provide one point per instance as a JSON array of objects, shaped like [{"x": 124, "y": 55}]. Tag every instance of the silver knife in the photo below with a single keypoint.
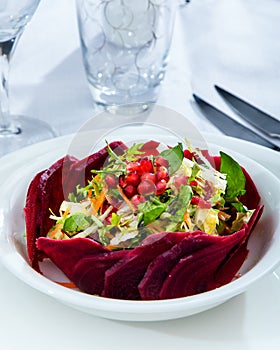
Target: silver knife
[
  {"x": 261, "y": 120},
  {"x": 231, "y": 127}
]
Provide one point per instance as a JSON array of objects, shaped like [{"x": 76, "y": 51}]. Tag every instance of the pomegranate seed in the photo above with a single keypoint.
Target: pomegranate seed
[
  {"x": 122, "y": 181},
  {"x": 133, "y": 167},
  {"x": 137, "y": 199},
  {"x": 111, "y": 180},
  {"x": 195, "y": 200},
  {"x": 180, "y": 180},
  {"x": 129, "y": 191},
  {"x": 161, "y": 161},
  {"x": 160, "y": 187},
  {"x": 188, "y": 154},
  {"x": 132, "y": 179},
  {"x": 146, "y": 166},
  {"x": 203, "y": 204},
  {"x": 149, "y": 176},
  {"x": 146, "y": 187},
  {"x": 162, "y": 173}
]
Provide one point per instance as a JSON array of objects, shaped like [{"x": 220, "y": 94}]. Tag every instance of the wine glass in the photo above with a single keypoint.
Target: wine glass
[{"x": 15, "y": 131}]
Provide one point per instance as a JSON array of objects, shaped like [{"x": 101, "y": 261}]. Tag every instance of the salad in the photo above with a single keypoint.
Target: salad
[
  {"x": 144, "y": 222},
  {"x": 145, "y": 191}
]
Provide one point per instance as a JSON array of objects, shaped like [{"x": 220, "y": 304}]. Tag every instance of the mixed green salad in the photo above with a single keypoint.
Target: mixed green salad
[{"x": 146, "y": 190}]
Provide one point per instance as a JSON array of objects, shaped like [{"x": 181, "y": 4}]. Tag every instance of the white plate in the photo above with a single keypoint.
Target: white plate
[{"x": 31, "y": 160}]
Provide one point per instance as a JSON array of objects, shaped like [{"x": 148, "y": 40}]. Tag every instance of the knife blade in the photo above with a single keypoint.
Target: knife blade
[
  {"x": 261, "y": 120},
  {"x": 231, "y": 127}
]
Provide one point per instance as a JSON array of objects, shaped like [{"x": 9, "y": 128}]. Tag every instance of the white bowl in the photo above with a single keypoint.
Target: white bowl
[{"x": 264, "y": 246}]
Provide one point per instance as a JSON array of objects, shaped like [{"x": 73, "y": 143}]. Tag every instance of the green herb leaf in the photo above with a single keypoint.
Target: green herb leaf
[
  {"x": 178, "y": 205},
  {"x": 195, "y": 170},
  {"x": 80, "y": 193},
  {"x": 77, "y": 222},
  {"x": 239, "y": 207},
  {"x": 174, "y": 156},
  {"x": 116, "y": 219},
  {"x": 151, "y": 210},
  {"x": 235, "y": 178},
  {"x": 132, "y": 153}
]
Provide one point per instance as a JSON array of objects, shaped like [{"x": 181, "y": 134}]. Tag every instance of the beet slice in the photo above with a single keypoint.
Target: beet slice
[
  {"x": 228, "y": 270},
  {"x": 44, "y": 192},
  {"x": 158, "y": 270},
  {"x": 80, "y": 171},
  {"x": 121, "y": 280},
  {"x": 65, "y": 254},
  {"x": 51, "y": 191},
  {"x": 50, "y": 187},
  {"x": 89, "y": 272},
  {"x": 33, "y": 202},
  {"x": 195, "y": 273}
]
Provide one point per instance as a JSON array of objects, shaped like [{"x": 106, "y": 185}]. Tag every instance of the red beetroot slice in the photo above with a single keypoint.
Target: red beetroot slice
[
  {"x": 228, "y": 270},
  {"x": 45, "y": 191},
  {"x": 80, "y": 171},
  {"x": 149, "y": 148},
  {"x": 121, "y": 280},
  {"x": 195, "y": 273},
  {"x": 159, "y": 268},
  {"x": 89, "y": 272},
  {"x": 65, "y": 254},
  {"x": 33, "y": 202},
  {"x": 51, "y": 191},
  {"x": 50, "y": 187}
]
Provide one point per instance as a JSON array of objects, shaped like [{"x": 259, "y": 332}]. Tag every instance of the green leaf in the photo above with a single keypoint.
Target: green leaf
[
  {"x": 239, "y": 207},
  {"x": 77, "y": 222},
  {"x": 195, "y": 171},
  {"x": 116, "y": 219},
  {"x": 132, "y": 153},
  {"x": 174, "y": 156},
  {"x": 178, "y": 205},
  {"x": 151, "y": 210},
  {"x": 80, "y": 193},
  {"x": 235, "y": 178}
]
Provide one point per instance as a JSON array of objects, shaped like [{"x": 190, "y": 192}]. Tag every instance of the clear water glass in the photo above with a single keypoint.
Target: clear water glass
[
  {"x": 15, "y": 131},
  {"x": 125, "y": 47}
]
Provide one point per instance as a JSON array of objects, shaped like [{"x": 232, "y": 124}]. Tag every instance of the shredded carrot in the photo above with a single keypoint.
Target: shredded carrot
[
  {"x": 55, "y": 230},
  {"x": 97, "y": 203},
  {"x": 67, "y": 284},
  {"x": 187, "y": 219},
  {"x": 90, "y": 193},
  {"x": 112, "y": 247}
]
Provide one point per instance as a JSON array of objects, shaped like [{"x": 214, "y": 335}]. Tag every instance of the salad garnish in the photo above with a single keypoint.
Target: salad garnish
[{"x": 147, "y": 190}]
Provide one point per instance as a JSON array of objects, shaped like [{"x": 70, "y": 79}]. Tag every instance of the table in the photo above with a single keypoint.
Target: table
[{"x": 233, "y": 42}]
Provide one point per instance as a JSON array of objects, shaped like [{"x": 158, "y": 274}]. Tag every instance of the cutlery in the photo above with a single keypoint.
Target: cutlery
[
  {"x": 231, "y": 127},
  {"x": 261, "y": 120}
]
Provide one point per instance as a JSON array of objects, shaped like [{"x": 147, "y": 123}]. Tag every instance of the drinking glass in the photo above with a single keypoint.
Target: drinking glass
[
  {"x": 15, "y": 131},
  {"x": 125, "y": 48}
]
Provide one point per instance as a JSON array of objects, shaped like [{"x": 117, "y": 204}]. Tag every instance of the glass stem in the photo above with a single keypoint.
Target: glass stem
[{"x": 6, "y": 50}]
